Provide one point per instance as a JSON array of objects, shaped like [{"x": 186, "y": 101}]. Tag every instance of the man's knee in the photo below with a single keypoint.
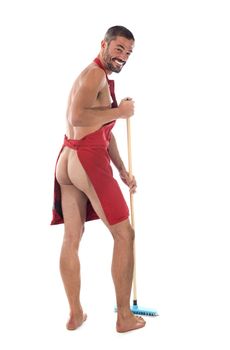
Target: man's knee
[
  {"x": 72, "y": 238},
  {"x": 132, "y": 234},
  {"x": 123, "y": 232}
]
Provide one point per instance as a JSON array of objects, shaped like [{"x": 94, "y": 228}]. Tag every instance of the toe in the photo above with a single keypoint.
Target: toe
[{"x": 140, "y": 319}]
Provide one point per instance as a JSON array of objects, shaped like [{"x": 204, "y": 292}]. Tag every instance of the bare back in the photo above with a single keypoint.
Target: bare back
[{"x": 101, "y": 102}]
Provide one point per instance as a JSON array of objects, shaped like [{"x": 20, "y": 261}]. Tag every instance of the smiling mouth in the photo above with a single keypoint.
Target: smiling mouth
[{"x": 119, "y": 62}]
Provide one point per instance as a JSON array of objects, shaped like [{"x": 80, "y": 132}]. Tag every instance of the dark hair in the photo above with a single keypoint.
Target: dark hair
[{"x": 115, "y": 31}]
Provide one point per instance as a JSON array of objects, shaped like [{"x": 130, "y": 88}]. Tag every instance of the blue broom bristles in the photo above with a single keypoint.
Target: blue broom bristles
[{"x": 141, "y": 311}]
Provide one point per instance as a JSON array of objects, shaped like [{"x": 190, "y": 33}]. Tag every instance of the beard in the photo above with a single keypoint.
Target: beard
[{"x": 111, "y": 64}]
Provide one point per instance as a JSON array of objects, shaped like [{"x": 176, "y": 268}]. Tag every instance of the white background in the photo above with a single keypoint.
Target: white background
[{"x": 179, "y": 77}]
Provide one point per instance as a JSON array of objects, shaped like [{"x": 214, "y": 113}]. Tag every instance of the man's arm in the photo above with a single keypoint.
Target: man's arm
[
  {"x": 84, "y": 112},
  {"x": 115, "y": 155},
  {"x": 117, "y": 161}
]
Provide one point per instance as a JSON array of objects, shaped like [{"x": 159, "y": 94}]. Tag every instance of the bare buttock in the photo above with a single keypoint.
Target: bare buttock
[
  {"x": 70, "y": 171},
  {"x": 62, "y": 168}
]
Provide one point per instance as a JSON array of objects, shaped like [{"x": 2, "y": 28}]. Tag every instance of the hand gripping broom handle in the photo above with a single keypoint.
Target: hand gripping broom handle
[{"x": 128, "y": 124}]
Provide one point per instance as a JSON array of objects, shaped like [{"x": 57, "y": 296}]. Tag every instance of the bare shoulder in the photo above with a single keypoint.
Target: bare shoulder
[{"x": 91, "y": 75}]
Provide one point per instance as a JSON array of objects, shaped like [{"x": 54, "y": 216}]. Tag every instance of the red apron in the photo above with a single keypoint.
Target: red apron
[{"x": 92, "y": 151}]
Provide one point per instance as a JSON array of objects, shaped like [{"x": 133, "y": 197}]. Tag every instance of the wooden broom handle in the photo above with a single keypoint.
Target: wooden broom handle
[{"x": 130, "y": 169}]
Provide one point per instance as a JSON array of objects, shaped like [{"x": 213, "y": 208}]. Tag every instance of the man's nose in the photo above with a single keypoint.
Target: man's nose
[{"x": 123, "y": 56}]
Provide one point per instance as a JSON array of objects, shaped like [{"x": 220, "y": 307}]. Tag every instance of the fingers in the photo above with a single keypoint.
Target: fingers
[
  {"x": 130, "y": 181},
  {"x": 132, "y": 185},
  {"x": 126, "y": 107}
]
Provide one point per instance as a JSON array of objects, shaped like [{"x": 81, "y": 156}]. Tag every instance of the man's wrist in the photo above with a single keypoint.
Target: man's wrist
[
  {"x": 121, "y": 168},
  {"x": 117, "y": 113}
]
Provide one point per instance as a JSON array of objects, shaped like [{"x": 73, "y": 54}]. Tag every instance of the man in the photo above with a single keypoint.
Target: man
[{"x": 84, "y": 185}]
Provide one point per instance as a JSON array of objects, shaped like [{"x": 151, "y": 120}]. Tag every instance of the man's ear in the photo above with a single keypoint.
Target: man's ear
[{"x": 103, "y": 44}]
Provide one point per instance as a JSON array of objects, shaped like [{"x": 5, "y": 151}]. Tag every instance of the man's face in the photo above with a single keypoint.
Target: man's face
[{"x": 116, "y": 53}]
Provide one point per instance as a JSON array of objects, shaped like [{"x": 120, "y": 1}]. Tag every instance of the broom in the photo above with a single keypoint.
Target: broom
[{"x": 135, "y": 308}]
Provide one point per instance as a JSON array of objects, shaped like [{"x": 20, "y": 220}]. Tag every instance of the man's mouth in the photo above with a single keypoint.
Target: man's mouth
[{"x": 119, "y": 62}]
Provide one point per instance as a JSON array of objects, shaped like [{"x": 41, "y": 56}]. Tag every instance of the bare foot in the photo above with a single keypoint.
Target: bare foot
[
  {"x": 130, "y": 323},
  {"x": 75, "y": 322}
]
